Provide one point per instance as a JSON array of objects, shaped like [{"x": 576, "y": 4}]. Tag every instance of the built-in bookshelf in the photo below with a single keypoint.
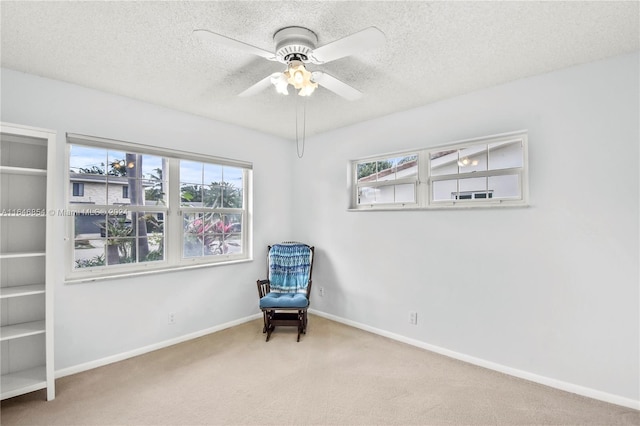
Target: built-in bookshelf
[{"x": 26, "y": 287}]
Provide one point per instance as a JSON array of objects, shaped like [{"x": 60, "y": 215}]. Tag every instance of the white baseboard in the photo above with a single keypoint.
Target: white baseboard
[
  {"x": 554, "y": 383},
  {"x": 143, "y": 350}
]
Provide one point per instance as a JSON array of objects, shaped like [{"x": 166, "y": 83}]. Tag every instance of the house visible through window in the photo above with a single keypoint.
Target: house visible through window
[
  {"x": 132, "y": 197},
  {"x": 488, "y": 171}
]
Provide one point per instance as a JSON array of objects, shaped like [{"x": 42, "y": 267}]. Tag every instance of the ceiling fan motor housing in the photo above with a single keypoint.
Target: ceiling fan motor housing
[{"x": 294, "y": 43}]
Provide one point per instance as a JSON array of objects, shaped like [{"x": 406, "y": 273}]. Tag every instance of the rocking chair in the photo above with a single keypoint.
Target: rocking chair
[{"x": 284, "y": 295}]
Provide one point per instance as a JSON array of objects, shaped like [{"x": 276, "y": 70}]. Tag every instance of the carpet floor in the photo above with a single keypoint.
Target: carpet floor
[{"x": 336, "y": 375}]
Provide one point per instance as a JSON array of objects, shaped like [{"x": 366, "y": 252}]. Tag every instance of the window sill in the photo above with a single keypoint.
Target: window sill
[
  {"x": 447, "y": 206},
  {"x": 130, "y": 274}
]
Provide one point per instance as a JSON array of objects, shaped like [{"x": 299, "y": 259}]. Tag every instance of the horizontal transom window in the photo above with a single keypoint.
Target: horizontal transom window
[{"x": 482, "y": 172}]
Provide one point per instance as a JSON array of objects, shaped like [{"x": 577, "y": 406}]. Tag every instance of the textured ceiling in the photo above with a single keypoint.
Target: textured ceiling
[{"x": 433, "y": 50}]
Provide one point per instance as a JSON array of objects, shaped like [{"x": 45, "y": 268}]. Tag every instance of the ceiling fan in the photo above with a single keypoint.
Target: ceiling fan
[{"x": 295, "y": 47}]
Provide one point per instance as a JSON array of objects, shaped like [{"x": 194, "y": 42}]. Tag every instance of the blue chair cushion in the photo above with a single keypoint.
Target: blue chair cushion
[{"x": 284, "y": 300}]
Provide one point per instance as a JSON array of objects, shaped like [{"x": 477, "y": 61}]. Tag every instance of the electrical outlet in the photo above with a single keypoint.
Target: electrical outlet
[
  {"x": 171, "y": 318},
  {"x": 322, "y": 291},
  {"x": 413, "y": 318}
]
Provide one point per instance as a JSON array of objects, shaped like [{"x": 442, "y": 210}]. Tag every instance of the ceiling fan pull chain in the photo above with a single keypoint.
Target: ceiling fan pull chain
[{"x": 304, "y": 127}]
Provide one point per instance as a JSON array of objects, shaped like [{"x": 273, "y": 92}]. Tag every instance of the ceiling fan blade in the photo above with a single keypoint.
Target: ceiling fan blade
[
  {"x": 331, "y": 83},
  {"x": 366, "y": 39},
  {"x": 258, "y": 87},
  {"x": 210, "y": 36}
]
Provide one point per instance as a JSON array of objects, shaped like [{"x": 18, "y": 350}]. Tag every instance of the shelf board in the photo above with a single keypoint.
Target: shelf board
[
  {"x": 17, "y": 255},
  {"x": 21, "y": 290},
  {"x": 16, "y": 331},
  {"x": 24, "y": 381},
  {"x": 22, "y": 171}
]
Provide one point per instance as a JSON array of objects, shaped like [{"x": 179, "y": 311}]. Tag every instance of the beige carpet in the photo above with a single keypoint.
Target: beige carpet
[{"x": 335, "y": 375}]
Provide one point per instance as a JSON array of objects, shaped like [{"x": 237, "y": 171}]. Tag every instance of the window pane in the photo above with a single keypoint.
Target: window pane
[
  {"x": 386, "y": 170},
  {"x": 385, "y": 194},
  {"x": 212, "y": 196},
  {"x": 154, "y": 174},
  {"x": 120, "y": 250},
  {"x": 118, "y": 232},
  {"x": 444, "y": 162},
  {"x": 89, "y": 240},
  {"x": 366, "y": 195},
  {"x": 115, "y": 192},
  {"x": 212, "y": 174},
  {"x": 88, "y": 246},
  {"x": 154, "y": 192},
  {"x": 407, "y": 166},
  {"x": 405, "y": 193},
  {"x": 87, "y": 160},
  {"x": 152, "y": 167},
  {"x": 87, "y": 175},
  {"x": 505, "y": 155},
  {"x": 119, "y": 163},
  {"x": 225, "y": 236},
  {"x": 233, "y": 234},
  {"x": 141, "y": 174},
  {"x": 193, "y": 235},
  {"x": 507, "y": 186},
  {"x": 367, "y": 172},
  {"x": 232, "y": 187},
  {"x": 233, "y": 176},
  {"x": 445, "y": 189},
  {"x": 190, "y": 195},
  {"x": 232, "y": 197},
  {"x": 472, "y": 159},
  {"x": 389, "y": 194},
  {"x": 150, "y": 236},
  {"x": 473, "y": 184},
  {"x": 190, "y": 172}
]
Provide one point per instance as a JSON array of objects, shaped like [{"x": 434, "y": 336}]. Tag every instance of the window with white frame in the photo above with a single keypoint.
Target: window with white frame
[
  {"x": 482, "y": 172},
  {"x": 389, "y": 180},
  {"x": 150, "y": 209}
]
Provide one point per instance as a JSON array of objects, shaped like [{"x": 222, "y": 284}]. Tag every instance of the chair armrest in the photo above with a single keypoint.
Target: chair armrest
[{"x": 264, "y": 287}]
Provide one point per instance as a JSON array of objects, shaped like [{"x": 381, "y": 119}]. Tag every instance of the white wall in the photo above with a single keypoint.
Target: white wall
[
  {"x": 550, "y": 290},
  {"x": 96, "y": 321},
  {"x": 564, "y": 303}
]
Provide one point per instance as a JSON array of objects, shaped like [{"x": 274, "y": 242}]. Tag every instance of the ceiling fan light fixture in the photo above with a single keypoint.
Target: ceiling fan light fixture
[
  {"x": 307, "y": 90},
  {"x": 279, "y": 80},
  {"x": 298, "y": 76}
]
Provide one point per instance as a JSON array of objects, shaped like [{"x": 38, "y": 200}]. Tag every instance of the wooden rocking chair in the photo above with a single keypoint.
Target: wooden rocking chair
[{"x": 284, "y": 295}]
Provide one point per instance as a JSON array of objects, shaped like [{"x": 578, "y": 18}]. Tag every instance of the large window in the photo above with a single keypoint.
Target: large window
[
  {"x": 483, "y": 172},
  {"x": 149, "y": 209}
]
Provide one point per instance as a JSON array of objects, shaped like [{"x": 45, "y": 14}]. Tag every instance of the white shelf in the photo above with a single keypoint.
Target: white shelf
[
  {"x": 22, "y": 290},
  {"x": 16, "y": 331},
  {"x": 22, "y": 171},
  {"x": 24, "y": 381},
  {"x": 27, "y": 193},
  {"x": 17, "y": 255}
]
